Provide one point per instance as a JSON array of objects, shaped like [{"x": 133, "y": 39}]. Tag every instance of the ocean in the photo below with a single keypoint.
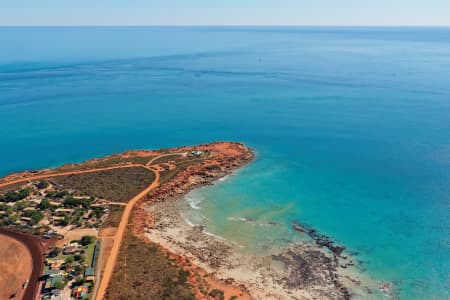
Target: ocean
[{"x": 351, "y": 127}]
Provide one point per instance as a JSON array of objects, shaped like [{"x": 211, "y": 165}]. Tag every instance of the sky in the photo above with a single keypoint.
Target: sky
[{"x": 225, "y": 12}]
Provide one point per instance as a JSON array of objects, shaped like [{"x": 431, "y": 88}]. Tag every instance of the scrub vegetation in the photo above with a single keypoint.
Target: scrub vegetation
[
  {"x": 143, "y": 271},
  {"x": 118, "y": 185}
]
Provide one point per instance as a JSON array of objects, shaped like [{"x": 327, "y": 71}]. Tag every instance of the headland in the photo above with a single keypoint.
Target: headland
[{"x": 113, "y": 229}]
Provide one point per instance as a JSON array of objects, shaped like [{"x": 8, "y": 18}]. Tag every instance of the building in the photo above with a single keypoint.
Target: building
[
  {"x": 52, "y": 282},
  {"x": 63, "y": 211},
  {"x": 25, "y": 219},
  {"x": 71, "y": 250},
  {"x": 50, "y": 273},
  {"x": 196, "y": 153},
  {"x": 89, "y": 272}
]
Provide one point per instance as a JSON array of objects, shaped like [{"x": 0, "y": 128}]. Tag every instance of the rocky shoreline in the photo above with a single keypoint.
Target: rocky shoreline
[
  {"x": 302, "y": 271},
  {"x": 310, "y": 270}
]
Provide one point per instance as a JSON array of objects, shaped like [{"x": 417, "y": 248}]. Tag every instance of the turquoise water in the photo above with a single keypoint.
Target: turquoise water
[{"x": 351, "y": 127}]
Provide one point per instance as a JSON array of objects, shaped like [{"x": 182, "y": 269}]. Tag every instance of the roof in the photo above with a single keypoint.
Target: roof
[
  {"x": 70, "y": 249},
  {"x": 64, "y": 210},
  {"x": 89, "y": 272},
  {"x": 49, "y": 272}
]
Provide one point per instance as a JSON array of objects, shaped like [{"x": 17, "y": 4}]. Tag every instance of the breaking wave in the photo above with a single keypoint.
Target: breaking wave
[{"x": 193, "y": 201}]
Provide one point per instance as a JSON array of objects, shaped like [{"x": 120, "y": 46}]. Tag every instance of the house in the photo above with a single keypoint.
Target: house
[
  {"x": 54, "y": 203},
  {"x": 196, "y": 153},
  {"x": 63, "y": 211},
  {"x": 49, "y": 234},
  {"x": 89, "y": 272},
  {"x": 25, "y": 219},
  {"x": 49, "y": 273},
  {"x": 56, "y": 219},
  {"x": 55, "y": 264},
  {"x": 71, "y": 250}
]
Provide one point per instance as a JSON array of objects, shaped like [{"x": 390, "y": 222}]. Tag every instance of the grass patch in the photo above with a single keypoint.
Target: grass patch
[
  {"x": 89, "y": 253},
  {"x": 118, "y": 185}
]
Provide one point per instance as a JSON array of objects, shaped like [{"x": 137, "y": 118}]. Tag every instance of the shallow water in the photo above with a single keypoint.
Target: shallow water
[{"x": 351, "y": 127}]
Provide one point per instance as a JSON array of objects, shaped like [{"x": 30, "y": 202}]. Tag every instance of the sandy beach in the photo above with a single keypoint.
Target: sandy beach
[{"x": 301, "y": 271}]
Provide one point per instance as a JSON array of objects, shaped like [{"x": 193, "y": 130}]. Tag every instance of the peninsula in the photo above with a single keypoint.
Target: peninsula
[
  {"x": 87, "y": 218},
  {"x": 111, "y": 228}
]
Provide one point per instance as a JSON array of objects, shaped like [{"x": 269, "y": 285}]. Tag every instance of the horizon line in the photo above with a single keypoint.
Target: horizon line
[{"x": 222, "y": 25}]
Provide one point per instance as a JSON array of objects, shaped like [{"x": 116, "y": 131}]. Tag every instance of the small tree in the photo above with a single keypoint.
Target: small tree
[
  {"x": 36, "y": 217},
  {"x": 42, "y": 184},
  {"x": 45, "y": 204},
  {"x": 217, "y": 294},
  {"x": 65, "y": 221},
  {"x": 87, "y": 240},
  {"x": 79, "y": 281},
  {"x": 54, "y": 252},
  {"x": 60, "y": 285}
]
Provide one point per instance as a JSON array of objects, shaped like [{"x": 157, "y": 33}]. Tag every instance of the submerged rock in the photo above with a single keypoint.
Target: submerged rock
[
  {"x": 320, "y": 239},
  {"x": 309, "y": 269}
]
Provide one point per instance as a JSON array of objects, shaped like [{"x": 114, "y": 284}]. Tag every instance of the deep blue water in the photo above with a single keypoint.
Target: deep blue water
[{"x": 351, "y": 126}]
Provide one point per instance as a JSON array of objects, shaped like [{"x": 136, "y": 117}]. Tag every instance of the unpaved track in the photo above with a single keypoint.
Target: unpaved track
[
  {"x": 164, "y": 155},
  {"x": 110, "y": 263},
  {"x": 44, "y": 176}
]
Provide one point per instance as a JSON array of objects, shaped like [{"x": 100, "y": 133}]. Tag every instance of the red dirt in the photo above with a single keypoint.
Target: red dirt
[
  {"x": 36, "y": 247},
  {"x": 15, "y": 269}
]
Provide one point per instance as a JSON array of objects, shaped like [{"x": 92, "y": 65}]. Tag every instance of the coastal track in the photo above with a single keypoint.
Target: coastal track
[
  {"x": 51, "y": 175},
  {"x": 110, "y": 263}
]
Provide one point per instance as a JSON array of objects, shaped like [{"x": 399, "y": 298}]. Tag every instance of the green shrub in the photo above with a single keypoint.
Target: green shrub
[
  {"x": 87, "y": 240},
  {"x": 13, "y": 196},
  {"x": 217, "y": 294}
]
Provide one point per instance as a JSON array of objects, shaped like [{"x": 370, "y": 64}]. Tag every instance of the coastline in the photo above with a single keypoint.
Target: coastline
[{"x": 315, "y": 269}]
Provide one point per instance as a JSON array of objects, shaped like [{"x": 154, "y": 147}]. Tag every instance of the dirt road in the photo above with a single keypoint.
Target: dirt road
[
  {"x": 109, "y": 268},
  {"x": 44, "y": 176}
]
